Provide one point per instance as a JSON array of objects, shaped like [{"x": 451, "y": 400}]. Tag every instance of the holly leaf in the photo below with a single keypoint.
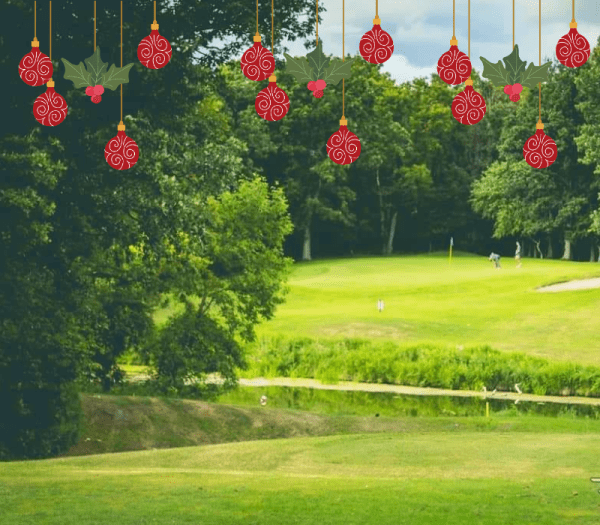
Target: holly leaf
[
  {"x": 533, "y": 75},
  {"x": 514, "y": 66},
  {"x": 338, "y": 70},
  {"x": 298, "y": 67},
  {"x": 116, "y": 76},
  {"x": 495, "y": 73},
  {"x": 96, "y": 67},
  {"x": 318, "y": 61},
  {"x": 76, "y": 74}
]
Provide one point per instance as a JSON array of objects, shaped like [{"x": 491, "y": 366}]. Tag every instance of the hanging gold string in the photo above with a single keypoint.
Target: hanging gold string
[
  {"x": 343, "y": 57},
  {"x": 453, "y": 19},
  {"x": 573, "y": 10},
  {"x": 317, "y": 22},
  {"x": 513, "y": 24},
  {"x": 377, "y": 8},
  {"x": 94, "y": 25},
  {"x": 121, "y": 60},
  {"x": 155, "y": 12},
  {"x": 50, "y": 31},
  {"x": 469, "y": 55},
  {"x": 35, "y": 20},
  {"x": 272, "y": 30},
  {"x": 540, "y": 84},
  {"x": 257, "y": 17}
]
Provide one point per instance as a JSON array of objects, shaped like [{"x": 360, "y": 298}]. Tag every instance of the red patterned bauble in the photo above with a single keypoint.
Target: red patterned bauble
[
  {"x": 454, "y": 67},
  {"x": 343, "y": 147},
  {"x": 50, "y": 109},
  {"x": 272, "y": 103},
  {"x": 154, "y": 51},
  {"x": 376, "y": 46},
  {"x": 257, "y": 62},
  {"x": 540, "y": 150},
  {"x": 468, "y": 107},
  {"x": 573, "y": 49},
  {"x": 121, "y": 152},
  {"x": 35, "y": 68}
]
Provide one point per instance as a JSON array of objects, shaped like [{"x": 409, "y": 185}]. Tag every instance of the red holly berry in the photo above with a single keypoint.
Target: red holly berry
[
  {"x": 515, "y": 97},
  {"x": 96, "y": 99},
  {"x": 312, "y": 85},
  {"x": 98, "y": 90},
  {"x": 321, "y": 84},
  {"x": 517, "y": 88},
  {"x": 318, "y": 93},
  {"x": 508, "y": 89},
  {"x": 89, "y": 91}
]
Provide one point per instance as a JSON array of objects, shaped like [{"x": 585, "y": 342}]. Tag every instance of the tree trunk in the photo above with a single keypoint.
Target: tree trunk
[
  {"x": 306, "y": 247},
  {"x": 567, "y": 253},
  {"x": 550, "y": 253},
  {"x": 538, "y": 249},
  {"x": 390, "y": 244},
  {"x": 381, "y": 213}
]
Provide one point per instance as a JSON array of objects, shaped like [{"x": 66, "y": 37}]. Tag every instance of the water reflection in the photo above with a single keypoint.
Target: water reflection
[{"x": 340, "y": 402}]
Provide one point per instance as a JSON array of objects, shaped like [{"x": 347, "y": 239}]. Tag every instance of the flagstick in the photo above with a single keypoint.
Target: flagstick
[{"x": 450, "y": 258}]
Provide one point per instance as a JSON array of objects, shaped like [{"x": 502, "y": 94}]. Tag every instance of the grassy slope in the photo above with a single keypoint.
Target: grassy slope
[
  {"x": 435, "y": 472},
  {"x": 465, "y": 303}
]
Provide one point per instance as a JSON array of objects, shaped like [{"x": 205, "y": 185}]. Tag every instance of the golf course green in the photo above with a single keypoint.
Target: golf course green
[{"x": 428, "y": 470}]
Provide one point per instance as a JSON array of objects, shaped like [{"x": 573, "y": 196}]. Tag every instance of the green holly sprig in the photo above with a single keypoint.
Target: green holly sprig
[
  {"x": 513, "y": 71},
  {"x": 318, "y": 70},
  {"x": 97, "y": 75}
]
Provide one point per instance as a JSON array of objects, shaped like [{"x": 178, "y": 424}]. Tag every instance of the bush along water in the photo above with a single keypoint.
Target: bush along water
[{"x": 423, "y": 365}]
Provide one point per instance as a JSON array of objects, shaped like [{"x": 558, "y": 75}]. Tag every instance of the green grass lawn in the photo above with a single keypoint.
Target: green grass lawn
[
  {"x": 428, "y": 300},
  {"x": 445, "y": 472}
]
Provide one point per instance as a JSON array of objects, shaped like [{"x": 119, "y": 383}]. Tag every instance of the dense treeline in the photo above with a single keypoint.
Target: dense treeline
[{"x": 422, "y": 177}]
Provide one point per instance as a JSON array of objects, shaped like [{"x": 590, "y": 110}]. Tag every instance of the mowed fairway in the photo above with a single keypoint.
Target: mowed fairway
[
  {"x": 452, "y": 477},
  {"x": 429, "y": 300}
]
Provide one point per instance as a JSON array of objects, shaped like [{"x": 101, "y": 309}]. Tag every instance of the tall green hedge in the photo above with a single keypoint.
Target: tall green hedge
[{"x": 423, "y": 365}]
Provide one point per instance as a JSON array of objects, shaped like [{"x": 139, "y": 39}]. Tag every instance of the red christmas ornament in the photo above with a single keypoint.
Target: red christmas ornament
[
  {"x": 121, "y": 152},
  {"x": 50, "y": 109},
  {"x": 540, "y": 150},
  {"x": 35, "y": 68},
  {"x": 468, "y": 107},
  {"x": 154, "y": 51},
  {"x": 257, "y": 62},
  {"x": 573, "y": 49},
  {"x": 272, "y": 103},
  {"x": 343, "y": 147},
  {"x": 454, "y": 67},
  {"x": 376, "y": 46}
]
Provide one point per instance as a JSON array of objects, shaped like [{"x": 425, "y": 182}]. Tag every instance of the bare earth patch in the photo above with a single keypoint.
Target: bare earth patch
[{"x": 581, "y": 284}]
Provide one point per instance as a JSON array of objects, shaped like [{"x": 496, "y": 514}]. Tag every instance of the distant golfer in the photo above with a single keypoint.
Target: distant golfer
[
  {"x": 518, "y": 255},
  {"x": 263, "y": 400},
  {"x": 496, "y": 258},
  {"x": 380, "y": 305}
]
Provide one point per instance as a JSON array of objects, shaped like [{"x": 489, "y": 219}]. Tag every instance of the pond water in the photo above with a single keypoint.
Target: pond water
[{"x": 340, "y": 402}]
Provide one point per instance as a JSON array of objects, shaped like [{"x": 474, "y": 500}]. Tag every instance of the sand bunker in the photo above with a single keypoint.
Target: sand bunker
[{"x": 582, "y": 284}]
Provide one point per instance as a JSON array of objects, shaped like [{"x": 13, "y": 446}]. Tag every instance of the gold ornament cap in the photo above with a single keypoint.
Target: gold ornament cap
[
  {"x": 468, "y": 82},
  {"x": 50, "y": 83},
  {"x": 453, "y": 41},
  {"x": 343, "y": 121},
  {"x": 154, "y": 26},
  {"x": 377, "y": 21},
  {"x": 573, "y": 24},
  {"x": 539, "y": 125},
  {"x": 257, "y": 38},
  {"x": 35, "y": 42},
  {"x": 272, "y": 78},
  {"x": 121, "y": 126}
]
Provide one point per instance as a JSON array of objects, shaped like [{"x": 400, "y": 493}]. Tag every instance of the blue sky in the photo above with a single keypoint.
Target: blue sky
[{"x": 422, "y": 29}]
